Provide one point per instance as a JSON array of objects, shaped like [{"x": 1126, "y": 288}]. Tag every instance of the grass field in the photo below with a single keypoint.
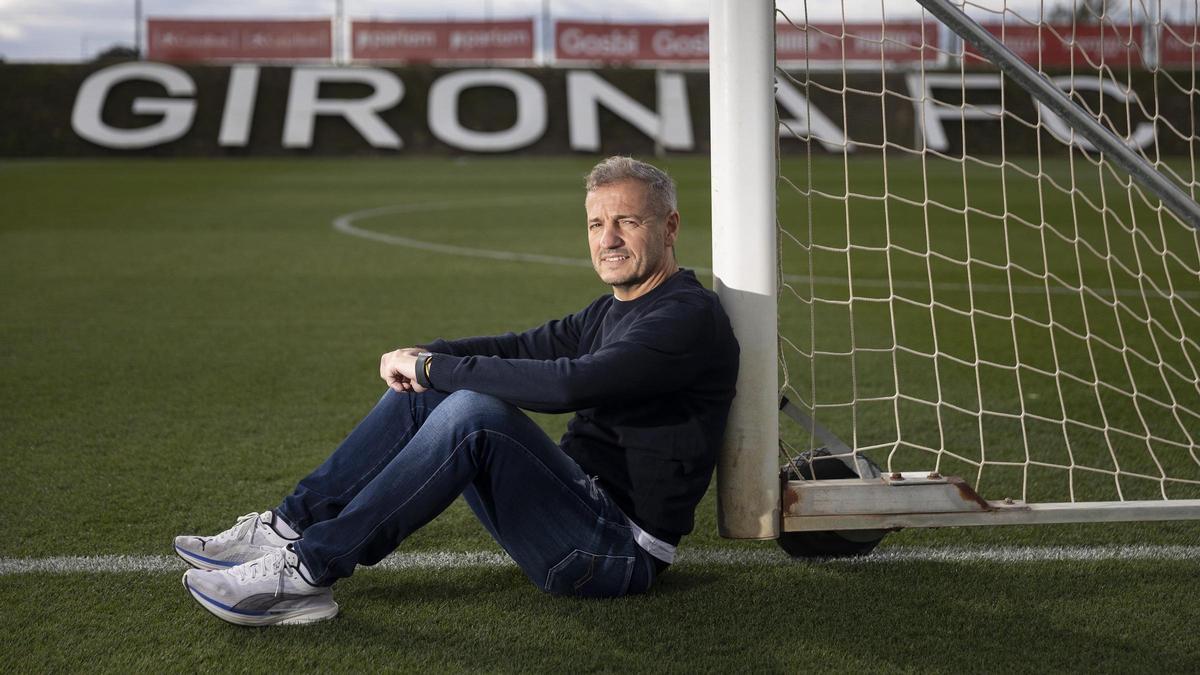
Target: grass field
[{"x": 181, "y": 340}]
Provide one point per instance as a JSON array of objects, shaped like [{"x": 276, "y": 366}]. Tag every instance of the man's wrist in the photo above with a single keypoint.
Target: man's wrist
[{"x": 424, "y": 361}]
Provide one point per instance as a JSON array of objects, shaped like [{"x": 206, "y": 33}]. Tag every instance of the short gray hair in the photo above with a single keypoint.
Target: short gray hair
[{"x": 617, "y": 168}]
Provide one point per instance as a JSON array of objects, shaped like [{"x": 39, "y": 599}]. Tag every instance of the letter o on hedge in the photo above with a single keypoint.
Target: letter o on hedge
[
  {"x": 531, "y": 110},
  {"x": 87, "y": 115}
]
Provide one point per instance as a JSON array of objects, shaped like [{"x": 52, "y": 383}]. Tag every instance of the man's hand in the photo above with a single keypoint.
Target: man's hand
[{"x": 399, "y": 370}]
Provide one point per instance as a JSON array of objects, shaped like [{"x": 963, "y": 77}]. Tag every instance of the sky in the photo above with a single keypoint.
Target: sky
[{"x": 76, "y": 30}]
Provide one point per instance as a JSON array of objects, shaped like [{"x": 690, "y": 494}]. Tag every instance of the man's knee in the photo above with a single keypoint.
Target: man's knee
[
  {"x": 471, "y": 405},
  {"x": 487, "y": 421}
]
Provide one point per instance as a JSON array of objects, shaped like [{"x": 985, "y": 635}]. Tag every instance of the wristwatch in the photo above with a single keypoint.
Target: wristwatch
[{"x": 423, "y": 361}]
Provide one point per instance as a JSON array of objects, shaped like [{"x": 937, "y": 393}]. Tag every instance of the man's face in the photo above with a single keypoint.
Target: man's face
[{"x": 631, "y": 245}]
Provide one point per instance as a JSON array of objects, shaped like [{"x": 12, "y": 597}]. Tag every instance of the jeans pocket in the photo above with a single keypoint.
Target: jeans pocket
[{"x": 589, "y": 575}]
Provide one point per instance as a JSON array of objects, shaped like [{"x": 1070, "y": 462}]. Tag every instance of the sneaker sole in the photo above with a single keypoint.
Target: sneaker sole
[{"x": 240, "y": 618}]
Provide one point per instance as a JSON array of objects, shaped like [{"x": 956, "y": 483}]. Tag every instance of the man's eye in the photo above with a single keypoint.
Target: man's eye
[
  {"x": 593, "y": 226},
  {"x": 629, "y": 222}
]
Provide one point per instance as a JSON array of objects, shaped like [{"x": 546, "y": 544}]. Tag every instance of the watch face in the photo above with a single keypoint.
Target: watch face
[{"x": 425, "y": 354}]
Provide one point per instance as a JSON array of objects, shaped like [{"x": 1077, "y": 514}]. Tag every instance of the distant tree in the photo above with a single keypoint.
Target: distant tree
[
  {"x": 1092, "y": 11},
  {"x": 118, "y": 52},
  {"x": 1081, "y": 11}
]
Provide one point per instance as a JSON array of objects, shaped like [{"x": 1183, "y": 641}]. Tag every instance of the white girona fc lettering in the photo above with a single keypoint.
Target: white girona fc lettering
[
  {"x": 304, "y": 104},
  {"x": 531, "y": 110},
  {"x": 668, "y": 123},
  {"x": 177, "y": 113}
]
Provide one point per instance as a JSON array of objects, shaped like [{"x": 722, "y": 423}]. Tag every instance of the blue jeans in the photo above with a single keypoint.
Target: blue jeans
[{"x": 415, "y": 453}]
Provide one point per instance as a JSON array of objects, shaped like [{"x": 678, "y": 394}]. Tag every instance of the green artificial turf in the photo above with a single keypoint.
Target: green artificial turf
[
  {"x": 1027, "y": 618},
  {"x": 181, "y": 340}
]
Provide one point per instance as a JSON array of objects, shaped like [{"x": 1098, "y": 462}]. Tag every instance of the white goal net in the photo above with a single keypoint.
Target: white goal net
[{"x": 967, "y": 285}]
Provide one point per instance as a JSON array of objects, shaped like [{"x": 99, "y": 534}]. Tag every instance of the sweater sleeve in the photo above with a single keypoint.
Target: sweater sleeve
[
  {"x": 663, "y": 351},
  {"x": 554, "y": 339}
]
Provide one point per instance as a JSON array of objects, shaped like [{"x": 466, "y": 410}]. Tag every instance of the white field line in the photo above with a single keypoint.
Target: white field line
[
  {"x": 345, "y": 224},
  {"x": 701, "y": 557}
]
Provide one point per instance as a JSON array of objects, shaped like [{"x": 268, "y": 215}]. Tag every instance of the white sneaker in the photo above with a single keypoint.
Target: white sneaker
[
  {"x": 262, "y": 592},
  {"x": 250, "y": 538}
]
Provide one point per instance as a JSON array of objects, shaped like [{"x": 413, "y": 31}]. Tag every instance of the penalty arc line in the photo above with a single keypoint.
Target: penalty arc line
[
  {"x": 699, "y": 557},
  {"x": 345, "y": 224}
]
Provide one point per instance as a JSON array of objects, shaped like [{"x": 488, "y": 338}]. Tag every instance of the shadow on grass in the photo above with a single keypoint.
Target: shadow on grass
[{"x": 937, "y": 617}]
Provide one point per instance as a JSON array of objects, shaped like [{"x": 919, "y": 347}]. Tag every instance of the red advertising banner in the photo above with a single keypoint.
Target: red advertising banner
[
  {"x": 425, "y": 41},
  {"x": 1179, "y": 46},
  {"x": 224, "y": 39},
  {"x": 897, "y": 41},
  {"x": 630, "y": 42},
  {"x": 688, "y": 42},
  {"x": 1056, "y": 45}
]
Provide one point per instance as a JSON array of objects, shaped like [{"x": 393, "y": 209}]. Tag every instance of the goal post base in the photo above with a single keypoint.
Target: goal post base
[{"x": 920, "y": 499}]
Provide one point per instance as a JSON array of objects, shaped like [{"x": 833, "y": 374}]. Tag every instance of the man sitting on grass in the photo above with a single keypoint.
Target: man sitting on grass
[{"x": 649, "y": 371}]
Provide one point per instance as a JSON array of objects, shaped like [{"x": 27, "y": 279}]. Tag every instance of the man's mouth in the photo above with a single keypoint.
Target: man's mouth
[{"x": 614, "y": 258}]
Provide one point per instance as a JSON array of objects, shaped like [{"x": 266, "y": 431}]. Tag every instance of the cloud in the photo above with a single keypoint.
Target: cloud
[{"x": 10, "y": 31}]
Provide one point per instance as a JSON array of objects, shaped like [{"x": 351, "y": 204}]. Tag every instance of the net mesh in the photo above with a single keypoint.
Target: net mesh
[{"x": 969, "y": 287}]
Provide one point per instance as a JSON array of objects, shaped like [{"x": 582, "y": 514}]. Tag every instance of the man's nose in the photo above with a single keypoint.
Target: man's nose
[{"x": 611, "y": 237}]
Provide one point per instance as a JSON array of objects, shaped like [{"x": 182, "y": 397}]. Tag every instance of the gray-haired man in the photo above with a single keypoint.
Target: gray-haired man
[{"x": 649, "y": 371}]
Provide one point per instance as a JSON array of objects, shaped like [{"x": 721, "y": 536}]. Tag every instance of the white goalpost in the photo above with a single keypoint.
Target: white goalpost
[
  {"x": 958, "y": 244},
  {"x": 742, "y": 62}
]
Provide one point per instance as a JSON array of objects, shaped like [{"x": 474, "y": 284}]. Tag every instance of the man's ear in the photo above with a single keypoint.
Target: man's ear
[{"x": 672, "y": 228}]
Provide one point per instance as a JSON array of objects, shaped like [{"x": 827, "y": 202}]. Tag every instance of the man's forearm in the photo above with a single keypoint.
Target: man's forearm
[
  {"x": 552, "y": 340},
  {"x": 563, "y": 385},
  {"x": 505, "y": 346}
]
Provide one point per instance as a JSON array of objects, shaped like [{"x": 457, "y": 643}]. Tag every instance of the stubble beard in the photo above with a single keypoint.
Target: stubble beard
[{"x": 625, "y": 275}]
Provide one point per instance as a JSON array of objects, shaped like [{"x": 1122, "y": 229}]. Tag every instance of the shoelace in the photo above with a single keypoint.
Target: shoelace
[
  {"x": 239, "y": 528},
  {"x": 280, "y": 562}
]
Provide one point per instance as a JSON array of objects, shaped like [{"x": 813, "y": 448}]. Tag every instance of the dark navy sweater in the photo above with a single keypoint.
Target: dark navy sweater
[{"x": 650, "y": 381}]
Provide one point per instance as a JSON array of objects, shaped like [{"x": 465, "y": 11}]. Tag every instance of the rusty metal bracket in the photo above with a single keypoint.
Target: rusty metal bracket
[
  {"x": 922, "y": 499},
  {"x": 910, "y": 492}
]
